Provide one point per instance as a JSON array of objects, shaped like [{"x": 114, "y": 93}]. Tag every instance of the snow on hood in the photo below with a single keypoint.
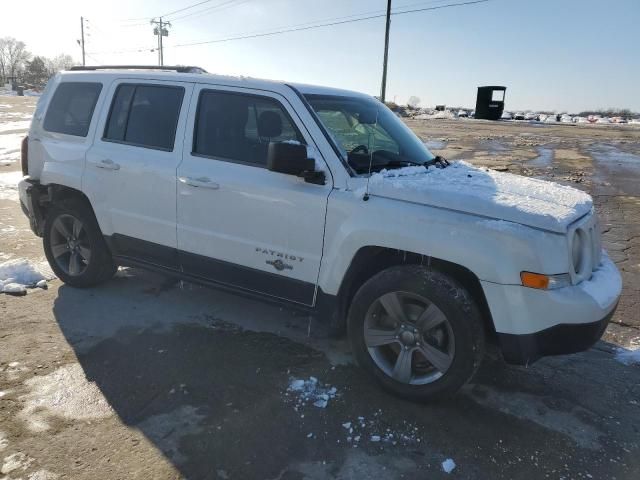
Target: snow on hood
[{"x": 480, "y": 191}]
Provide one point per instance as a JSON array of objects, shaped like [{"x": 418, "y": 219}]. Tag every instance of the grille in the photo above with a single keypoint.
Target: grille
[{"x": 589, "y": 229}]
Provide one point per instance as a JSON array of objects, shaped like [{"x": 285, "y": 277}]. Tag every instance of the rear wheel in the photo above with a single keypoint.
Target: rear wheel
[
  {"x": 417, "y": 331},
  {"x": 74, "y": 245}
]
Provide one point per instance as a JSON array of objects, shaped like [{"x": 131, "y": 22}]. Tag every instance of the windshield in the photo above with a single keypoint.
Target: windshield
[{"x": 367, "y": 132}]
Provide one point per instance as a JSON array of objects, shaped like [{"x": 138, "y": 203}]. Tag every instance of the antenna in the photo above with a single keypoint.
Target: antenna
[{"x": 365, "y": 197}]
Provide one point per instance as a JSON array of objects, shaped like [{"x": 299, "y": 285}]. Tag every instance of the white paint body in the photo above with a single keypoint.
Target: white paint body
[{"x": 151, "y": 196}]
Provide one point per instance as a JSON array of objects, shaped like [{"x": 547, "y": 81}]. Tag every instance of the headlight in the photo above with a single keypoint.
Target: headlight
[{"x": 545, "y": 282}]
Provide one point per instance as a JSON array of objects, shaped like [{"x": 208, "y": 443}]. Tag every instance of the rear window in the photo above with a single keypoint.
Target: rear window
[
  {"x": 71, "y": 108},
  {"x": 145, "y": 115}
]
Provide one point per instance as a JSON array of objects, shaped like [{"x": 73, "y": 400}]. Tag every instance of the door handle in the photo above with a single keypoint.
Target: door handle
[
  {"x": 108, "y": 164},
  {"x": 202, "y": 182}
]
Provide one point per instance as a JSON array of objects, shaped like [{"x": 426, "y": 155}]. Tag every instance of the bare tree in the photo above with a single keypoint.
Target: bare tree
[
  {"x": 413, "y": 101},
  {"x": 14, "y": 54},
  {"x": 59, "y": 63}
]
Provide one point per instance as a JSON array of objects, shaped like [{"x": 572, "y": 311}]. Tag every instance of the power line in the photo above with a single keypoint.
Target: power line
[
  {"x": 307, "y": 26},
  {"x": 195, "y": 5},
  {"x": 330, "y": 24},
  {"x": 216, "y": 8}
]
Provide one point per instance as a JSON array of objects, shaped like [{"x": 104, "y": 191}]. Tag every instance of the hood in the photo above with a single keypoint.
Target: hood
[{"x": 484, "y": 192}]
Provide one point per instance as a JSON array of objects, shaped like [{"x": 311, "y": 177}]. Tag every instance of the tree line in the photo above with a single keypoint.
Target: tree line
[{"x": 18, "y": 65}]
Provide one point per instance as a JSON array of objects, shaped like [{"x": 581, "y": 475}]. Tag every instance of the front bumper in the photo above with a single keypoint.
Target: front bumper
[
  {"x": 559, "y": 340},
  {"x": 534, "y": 323}
]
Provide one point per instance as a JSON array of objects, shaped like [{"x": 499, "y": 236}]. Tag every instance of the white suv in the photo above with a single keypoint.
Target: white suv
[{"x": 322, "y": 199}]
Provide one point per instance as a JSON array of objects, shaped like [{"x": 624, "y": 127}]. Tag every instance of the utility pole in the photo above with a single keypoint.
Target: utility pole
[
  {"x": 383, "y": 89},
  {"x": 82, "y": 38},
  {"x": 160, "y": 31}
]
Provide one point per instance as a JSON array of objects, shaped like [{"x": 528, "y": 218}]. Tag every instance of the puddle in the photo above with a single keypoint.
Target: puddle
[
  {"x": 493, "y": 146},
  {"x": 544, "y": 158},
  {"x": 436, "y": 144},
  {"x": 611, "y": 156}
]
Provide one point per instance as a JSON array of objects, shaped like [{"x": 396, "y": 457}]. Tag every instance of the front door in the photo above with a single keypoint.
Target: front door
[
  {"x": 240, "y": 224},
  {"x": 130, "y": 174}
]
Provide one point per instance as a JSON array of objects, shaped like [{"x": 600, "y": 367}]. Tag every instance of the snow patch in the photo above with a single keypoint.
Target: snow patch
[
  {"x": 310, "y": 391},
  {"x": 65, "y": 393},
  {"x": 9, "y": 185},
  {"x": 448, "y": 465},
  {"x": 480, "y": 191},
  {"x": 628, "y": 357},
  {"x": 20, "y": 273},
  {"x": 10, "y": 147},
  {"x": 14, "y": 462},
  {"x": 3, "y": 441},
  {"x": 43, "y": 475}
]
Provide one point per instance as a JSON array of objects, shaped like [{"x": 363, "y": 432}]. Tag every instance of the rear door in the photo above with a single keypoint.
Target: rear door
[
  {"x": 240, "y": 224},
  {"x": 130, "y": 173}
]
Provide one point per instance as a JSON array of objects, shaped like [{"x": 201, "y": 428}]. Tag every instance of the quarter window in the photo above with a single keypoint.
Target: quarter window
[
  {"x": 71, "y": 108},
  {"x": 145, "y": 115},
  {"x": 239, "y": 127}
]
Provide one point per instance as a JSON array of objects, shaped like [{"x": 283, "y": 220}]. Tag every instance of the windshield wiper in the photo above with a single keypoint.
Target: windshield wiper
[{"x": 438, "y": 161}]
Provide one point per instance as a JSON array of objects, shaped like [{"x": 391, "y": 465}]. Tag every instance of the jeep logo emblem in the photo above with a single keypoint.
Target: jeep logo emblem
[{"x": 279, "y": 265}]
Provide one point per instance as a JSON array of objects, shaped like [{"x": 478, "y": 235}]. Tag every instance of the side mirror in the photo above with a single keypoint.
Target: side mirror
[{"x": 291, "y": 159}]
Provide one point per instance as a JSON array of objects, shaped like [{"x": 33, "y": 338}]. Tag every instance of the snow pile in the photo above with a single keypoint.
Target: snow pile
[
  {"x": 19, "y": 274},
  {"x": 438, "y": 115},
  {"x": 605, "y": 284},
  {"x": 9, "y": 185},
  {"x": 628, "y": 357},
  {"x": 448, "y": 465},
  {"x": 485, "y": 192},
  {"x": 22, "y": 125},
  {"x": 310, "y": 391}
]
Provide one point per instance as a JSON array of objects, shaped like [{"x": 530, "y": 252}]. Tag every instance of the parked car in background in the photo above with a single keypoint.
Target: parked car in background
[
  {"x": 463, "y": 114},
  {"x": 519, "y": 116},
  {"x": 506, "y": 116},
  {"x": 531, "y": 116}
]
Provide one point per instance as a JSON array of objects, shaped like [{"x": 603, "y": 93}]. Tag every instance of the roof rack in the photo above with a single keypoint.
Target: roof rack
[{"x": 177, "y": 68}]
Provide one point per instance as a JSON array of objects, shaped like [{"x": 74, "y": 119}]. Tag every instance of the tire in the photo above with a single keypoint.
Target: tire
[
  {"x": 84, "y": 262},
  {"x": 455, "y": 345}
]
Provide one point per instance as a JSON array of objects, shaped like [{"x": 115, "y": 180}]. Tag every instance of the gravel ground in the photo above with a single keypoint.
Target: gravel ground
[{"x": 147, "y": 377}]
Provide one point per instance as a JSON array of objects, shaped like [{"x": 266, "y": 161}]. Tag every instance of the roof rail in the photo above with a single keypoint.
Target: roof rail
[{"x": 177, "y": 68}]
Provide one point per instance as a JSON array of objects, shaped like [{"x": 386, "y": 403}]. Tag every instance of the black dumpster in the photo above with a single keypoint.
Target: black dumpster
[{"x": 490, "y": 102}]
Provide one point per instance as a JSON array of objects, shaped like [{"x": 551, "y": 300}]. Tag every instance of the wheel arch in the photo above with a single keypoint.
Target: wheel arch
[
  {"x": 370, "y": 260},
  {"x": 56, "y": 193}
]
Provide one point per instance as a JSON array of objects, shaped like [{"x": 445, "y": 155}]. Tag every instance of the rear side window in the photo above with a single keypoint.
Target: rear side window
[
  {"x": 71, "y": 108},
  {"x": 239, "y": 127},
  {"x": 145, "y": 115}
]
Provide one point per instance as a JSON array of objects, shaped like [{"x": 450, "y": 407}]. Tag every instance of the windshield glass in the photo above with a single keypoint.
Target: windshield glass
[{"x": 366, "y": 131}]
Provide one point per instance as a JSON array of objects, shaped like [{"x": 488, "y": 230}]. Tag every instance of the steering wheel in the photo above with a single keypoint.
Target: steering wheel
[{"x": 360, "y": 148}]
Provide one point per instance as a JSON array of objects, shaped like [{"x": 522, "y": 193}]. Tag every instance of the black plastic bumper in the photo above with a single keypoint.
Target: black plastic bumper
[
  {"x": 558, "y": 340},
  {"x": 32, "y": 209}
]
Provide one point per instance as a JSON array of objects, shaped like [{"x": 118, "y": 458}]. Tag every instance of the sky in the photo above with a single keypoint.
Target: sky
[{"x": 562, "y": 55}]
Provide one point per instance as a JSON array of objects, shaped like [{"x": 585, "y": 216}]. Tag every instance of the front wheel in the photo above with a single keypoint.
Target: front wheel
[
  {"x": 417, "y": 331},
  {"x": 74, "y": 245}
]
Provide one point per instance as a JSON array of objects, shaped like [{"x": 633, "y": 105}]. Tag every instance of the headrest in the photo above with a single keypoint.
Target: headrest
[{"x": 269, "y": 124}]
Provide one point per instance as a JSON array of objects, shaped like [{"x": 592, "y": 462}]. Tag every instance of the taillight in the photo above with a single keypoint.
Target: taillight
[{"x": 24, "y": 155}]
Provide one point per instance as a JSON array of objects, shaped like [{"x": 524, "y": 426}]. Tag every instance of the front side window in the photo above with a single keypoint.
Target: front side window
[
  {"x": 71, "y": 108},
  {"x": 145, "y": 115},
  {"x": 240, "y": 127},
  {"x": 368, "y": 134}
]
